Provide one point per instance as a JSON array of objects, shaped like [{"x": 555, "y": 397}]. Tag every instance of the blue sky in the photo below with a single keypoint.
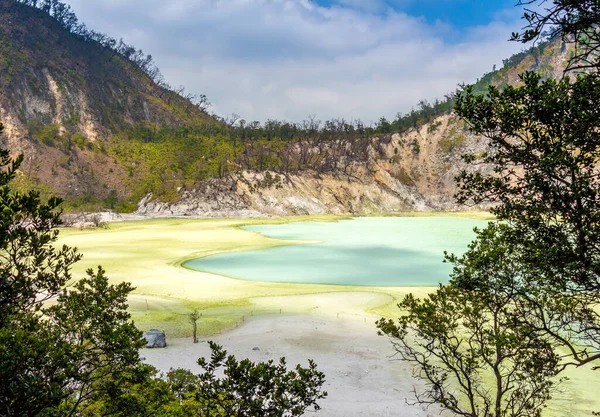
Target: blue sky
[
  {"x": 289, "y": 59},
  {"x": 458, "y": 13}
]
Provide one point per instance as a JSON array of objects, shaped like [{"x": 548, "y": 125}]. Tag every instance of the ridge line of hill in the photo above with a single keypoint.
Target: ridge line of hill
[{"x": 98, "y": 130}]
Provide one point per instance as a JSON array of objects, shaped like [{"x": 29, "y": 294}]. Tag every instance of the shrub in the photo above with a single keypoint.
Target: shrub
[
  {"x": 416, "y": 147},
  {"x": 79, "y": 140},
  {"x": 49, "y": 135},
  {"x": 446, "y": 145},
  {"x": 434, "y": 127}
]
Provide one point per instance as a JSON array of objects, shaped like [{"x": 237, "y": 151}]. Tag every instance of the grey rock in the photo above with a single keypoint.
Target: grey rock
[
  {"x": 255, "y": 348},
  {"x": 155, "y": 339}
]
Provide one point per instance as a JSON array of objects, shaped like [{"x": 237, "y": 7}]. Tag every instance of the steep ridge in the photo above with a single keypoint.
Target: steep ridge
[
  {"x": 99, "y": 131},
  {"x": 62, "y": 96}
]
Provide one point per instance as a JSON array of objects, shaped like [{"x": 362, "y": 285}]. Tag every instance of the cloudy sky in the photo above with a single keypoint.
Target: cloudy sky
[{"x": 288, "y": 59}]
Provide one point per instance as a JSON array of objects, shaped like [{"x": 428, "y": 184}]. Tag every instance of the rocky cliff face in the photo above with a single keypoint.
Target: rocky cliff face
[{"x": 410, "y": 172}]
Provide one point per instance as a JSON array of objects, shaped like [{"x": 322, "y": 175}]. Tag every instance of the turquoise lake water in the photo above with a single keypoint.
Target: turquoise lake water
[{"x": 384, "y": 251}]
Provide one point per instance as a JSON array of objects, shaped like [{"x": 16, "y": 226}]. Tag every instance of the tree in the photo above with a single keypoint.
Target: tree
[
  {"x": 247, "y": 389},
  {"x": 499, "y": 263},
  {"x": 140, "y": 393},
  {"x": 576, "y": 21},
  {"x": 472, "y": 358},
  {"x": 535, "y": 276},
  {"x": 544, "y": 147},
  {"x": 193, "y": 318},
  {"x": 544, "y": 144},
  {"x": 57, "y": 345}
]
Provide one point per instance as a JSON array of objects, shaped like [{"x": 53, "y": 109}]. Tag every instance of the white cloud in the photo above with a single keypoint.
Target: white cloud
[{"x": 288, "y": 59}]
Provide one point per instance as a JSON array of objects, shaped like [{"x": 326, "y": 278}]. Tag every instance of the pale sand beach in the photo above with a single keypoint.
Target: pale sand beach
[{"x": 362, "y": 376}]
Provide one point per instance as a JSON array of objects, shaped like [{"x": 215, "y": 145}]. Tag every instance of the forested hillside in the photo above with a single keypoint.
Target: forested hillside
[{"x": 101, "y": 127}]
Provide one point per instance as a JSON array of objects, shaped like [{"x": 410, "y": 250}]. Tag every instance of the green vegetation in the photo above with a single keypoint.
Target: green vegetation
[
  {"x": 66, "y": 18},
  {"x": 193, "y": 318},
  {"x": 78, "y": 139},
  {"x": 12, "y": 60},
  {"x": 457, "y": 338},
  {"x": 554, "y": 214},
  {"x": 522, "y": 308},
  {"x": 51, "y": 135},
  {"x": 538, "y": 57},
  {"x": 575, "y": 22},
  {"x": 523, "y": 301},
  {"x": 48, "y": 135},
  {"x": 452, "y": 142},
  {"x": 434, "y": 127},
  {"x": 75, "y": 351},
  {"x": 59, "y": 346},
  {"x": 160, "y": 160},
  {"x": 247, "y": 389},
  {"x": 416, "y": 147}
]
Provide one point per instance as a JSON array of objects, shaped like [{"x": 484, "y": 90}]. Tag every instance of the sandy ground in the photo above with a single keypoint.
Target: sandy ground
[{"x": 362, "y": 377}]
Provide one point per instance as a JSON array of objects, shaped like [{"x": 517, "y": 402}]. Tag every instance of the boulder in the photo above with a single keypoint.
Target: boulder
[{"x": 155, "y": 339}]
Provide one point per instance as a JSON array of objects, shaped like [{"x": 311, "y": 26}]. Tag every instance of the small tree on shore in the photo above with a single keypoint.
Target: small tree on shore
[
  {"x": 193, "y": 318},
  {"x": 472, "y": 358}
]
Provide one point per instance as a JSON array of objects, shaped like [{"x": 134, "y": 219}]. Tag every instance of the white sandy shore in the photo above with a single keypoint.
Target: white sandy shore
[{"x": 362, "y": 377}]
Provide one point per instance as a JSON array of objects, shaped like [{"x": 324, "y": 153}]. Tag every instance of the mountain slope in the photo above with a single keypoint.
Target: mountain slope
[
  {"x": 413, "y": 171},
  {"x": 53, "y": 76},
  {"x": 98, "y": 130},
  {"x": 62, "y": 97}
]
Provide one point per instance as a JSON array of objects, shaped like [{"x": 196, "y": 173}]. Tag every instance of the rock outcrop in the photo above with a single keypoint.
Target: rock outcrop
[{"x": 411, "y": 172}]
